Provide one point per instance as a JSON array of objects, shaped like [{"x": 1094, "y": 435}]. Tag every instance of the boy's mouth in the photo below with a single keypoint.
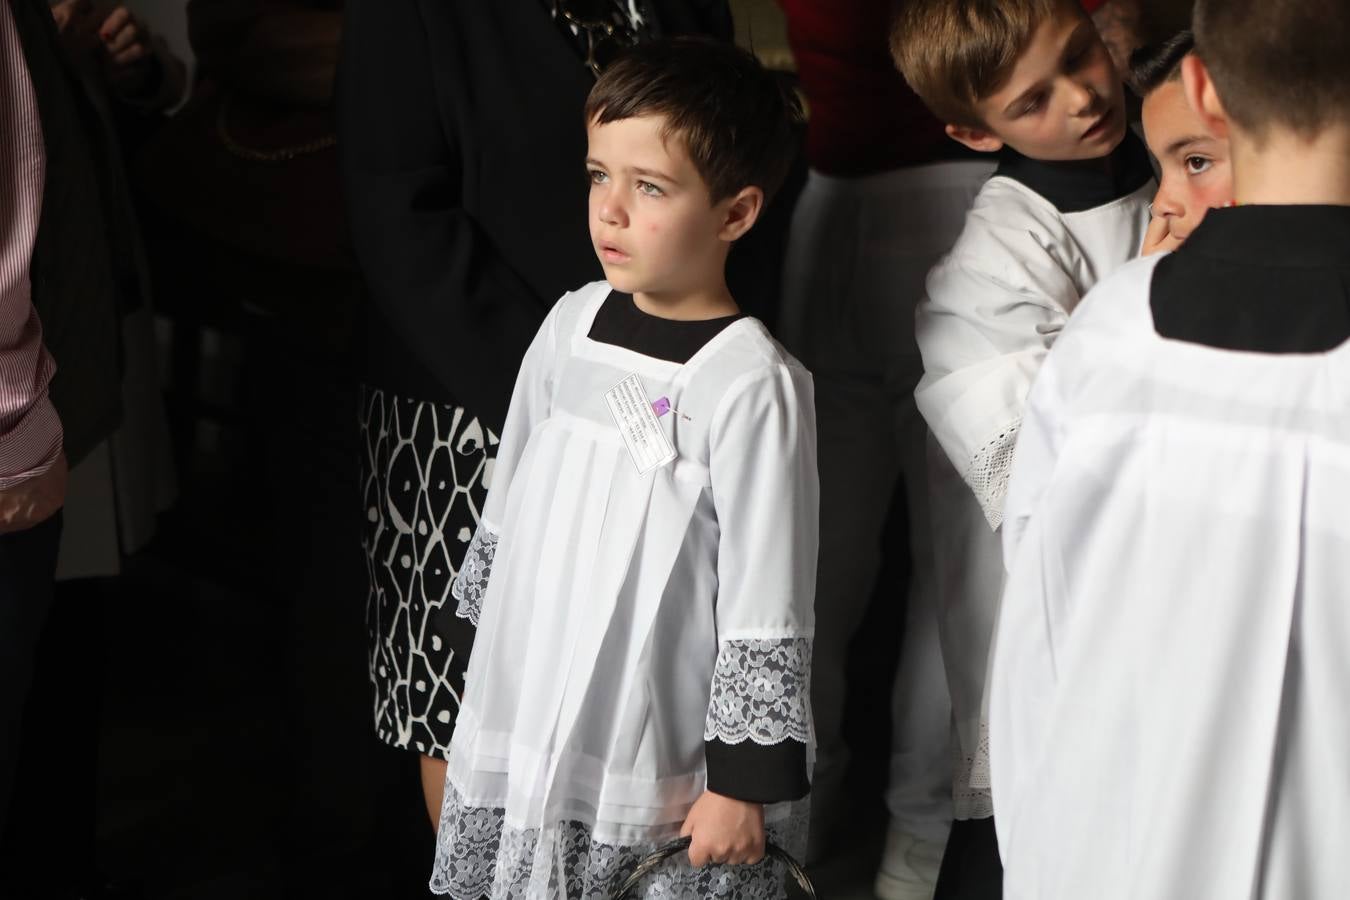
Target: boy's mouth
[
  {"x": 613, "y": 253},
  {"x": 1099, "y": 127}
]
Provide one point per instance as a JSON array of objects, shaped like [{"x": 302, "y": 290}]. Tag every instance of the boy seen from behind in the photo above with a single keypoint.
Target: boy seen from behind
[{"x": 1169, "y": 690}]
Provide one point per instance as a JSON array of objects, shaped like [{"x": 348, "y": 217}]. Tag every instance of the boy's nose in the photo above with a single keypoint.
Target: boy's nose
[
  {"x": 611, "y": 213},
  {"x": 1084, "y": 99},
  {"x": 1165, "y": 205}
]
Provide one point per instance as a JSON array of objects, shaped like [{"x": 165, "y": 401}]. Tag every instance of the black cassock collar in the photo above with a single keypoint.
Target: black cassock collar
[
  {"x": 1264, "y": 279},
  {"x": 1082, "y": 185}
]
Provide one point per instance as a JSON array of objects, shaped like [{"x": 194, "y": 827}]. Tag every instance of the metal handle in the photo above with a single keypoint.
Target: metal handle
[{"x": 658, "y": 858}]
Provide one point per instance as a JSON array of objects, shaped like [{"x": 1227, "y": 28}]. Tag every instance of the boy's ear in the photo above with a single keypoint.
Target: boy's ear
[
  {"x": 1203, "y": 97},
  {"x": 975, "y": 138},
  {"x": 741, "y": 213}
]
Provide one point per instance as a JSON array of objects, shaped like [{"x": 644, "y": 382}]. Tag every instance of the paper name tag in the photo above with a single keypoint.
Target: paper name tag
[{"x": 647, "y": 443}]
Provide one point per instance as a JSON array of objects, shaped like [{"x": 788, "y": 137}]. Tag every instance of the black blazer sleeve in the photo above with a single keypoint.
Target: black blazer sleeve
[{"x": 432, "y": 274}]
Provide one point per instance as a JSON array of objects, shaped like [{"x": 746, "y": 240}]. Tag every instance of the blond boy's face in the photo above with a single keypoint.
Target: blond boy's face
[
  {"x": 652, "y": 221},
  {"x": 1196, "y": 175},
  {"x": 1063, "y": 100}
]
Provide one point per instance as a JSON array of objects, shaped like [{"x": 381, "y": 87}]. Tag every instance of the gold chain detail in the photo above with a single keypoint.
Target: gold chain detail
[{"x": 279, "y": 155}]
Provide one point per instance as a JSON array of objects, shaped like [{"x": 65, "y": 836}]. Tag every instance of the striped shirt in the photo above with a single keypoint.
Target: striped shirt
[{"x": 30, "y": 431}]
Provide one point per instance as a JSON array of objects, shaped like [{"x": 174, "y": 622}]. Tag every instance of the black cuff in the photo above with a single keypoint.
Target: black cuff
[{"x": 756, "y": 774}]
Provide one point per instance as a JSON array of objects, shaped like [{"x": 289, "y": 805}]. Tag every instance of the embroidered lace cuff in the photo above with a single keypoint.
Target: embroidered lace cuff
[
  {"x": 988, "y": 472},
  {"x": 971, "y": 796},
  {"x": 480, "y": 854},
  {"x": 760, "y": 692},
  {"x": 471, "y": 583}
]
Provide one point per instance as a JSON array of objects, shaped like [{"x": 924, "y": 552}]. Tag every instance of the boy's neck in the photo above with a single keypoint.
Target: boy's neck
[
  {"x": 712, "y": 301},
  {"x": 1286, "y": 169}
]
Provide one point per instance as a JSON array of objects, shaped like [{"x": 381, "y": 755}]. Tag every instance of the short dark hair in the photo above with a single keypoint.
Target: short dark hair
[
  {"x": 1278, "y": 62},
  {"x": 1153, "y": 66},
  {"x": 955, "y": 53},
  {"x": 738, "y": 121}
]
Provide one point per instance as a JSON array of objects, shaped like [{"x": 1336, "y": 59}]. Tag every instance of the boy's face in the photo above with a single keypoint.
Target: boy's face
[
  {"x": 653, "y": 224},
  {"x": 1063, "y": 100},
  {"x": 1196, "y": 175}
]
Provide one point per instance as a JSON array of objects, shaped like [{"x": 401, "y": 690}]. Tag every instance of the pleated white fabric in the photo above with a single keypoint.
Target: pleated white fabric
[
  {"x": 1170, "y": 683},
  {"x": 605, "y": 600}
]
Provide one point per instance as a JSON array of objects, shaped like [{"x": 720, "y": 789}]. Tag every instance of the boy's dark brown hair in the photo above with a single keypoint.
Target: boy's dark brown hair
[
  {"x": 1278, "y": 62},
  {"x": 738, "y": 121},
  {"x": 1153, "y": 66},
  {"x": 955, "y": 53}
]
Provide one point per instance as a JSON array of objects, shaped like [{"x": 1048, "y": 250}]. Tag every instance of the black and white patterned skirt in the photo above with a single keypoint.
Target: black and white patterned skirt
[{"x": 424, "y": 473}]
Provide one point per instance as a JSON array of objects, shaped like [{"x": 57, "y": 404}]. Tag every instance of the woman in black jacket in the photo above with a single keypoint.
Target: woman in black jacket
[{"x": 462, "y": 143}]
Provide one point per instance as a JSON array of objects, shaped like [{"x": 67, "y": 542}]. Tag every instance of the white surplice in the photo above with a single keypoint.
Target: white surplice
[
  {"x": 1170, "y": 712},
  {"x": 995, "y": 305},
  {"x": 624, "y": 618}
]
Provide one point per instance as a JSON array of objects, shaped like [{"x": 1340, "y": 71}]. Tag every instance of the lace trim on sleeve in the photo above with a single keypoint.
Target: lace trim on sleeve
[
  {"x": 971, "y": 795},
  {"x": 479, "y": 853},
  {"x": 471, "y": 583},
  {"x": 760, "y": 692},
  {"x": 988, "y": 472}
]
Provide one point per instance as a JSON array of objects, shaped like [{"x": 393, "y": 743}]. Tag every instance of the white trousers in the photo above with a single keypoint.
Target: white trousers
[{"x": 858, "y": 254}]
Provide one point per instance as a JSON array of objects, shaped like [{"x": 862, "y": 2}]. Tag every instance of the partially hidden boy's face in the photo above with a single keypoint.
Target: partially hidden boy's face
[
  {"x": 1196, "y": 175},
  {"x": 652, "y": 220},
  {"x": 1063, "y": 99}
]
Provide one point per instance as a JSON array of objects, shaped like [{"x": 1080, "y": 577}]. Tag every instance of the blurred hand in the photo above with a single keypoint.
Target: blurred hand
[
  {"x": 1118, "y": 22},
  {"x": 723, "y": 830},
  {"x": 128, "y": 54},
  {"x": 1159, "y": 237},
  {"x": 75, "y": 22},
  {"x": 125, "y": 39},
  {"x": 35, "y": 500}
]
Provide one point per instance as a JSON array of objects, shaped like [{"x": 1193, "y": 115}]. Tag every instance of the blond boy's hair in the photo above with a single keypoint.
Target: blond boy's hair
[{"x": 955, "y": 53}]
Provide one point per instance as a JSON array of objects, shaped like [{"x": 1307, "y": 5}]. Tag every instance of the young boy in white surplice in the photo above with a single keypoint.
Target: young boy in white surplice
[{"x": 643, "y": 575}]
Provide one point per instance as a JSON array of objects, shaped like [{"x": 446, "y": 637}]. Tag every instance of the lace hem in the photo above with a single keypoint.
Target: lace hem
[
  {"x": 760, "y": 692},
  {"x": 471, "y": 583},
  {"x": 479, "y": 855},
  {"x": 989, "y": 469},
  {"x": 971, "y": 794}
]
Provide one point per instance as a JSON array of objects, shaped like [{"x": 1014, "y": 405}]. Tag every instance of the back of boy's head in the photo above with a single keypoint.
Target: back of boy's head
[
  {"x": 736, "y": 118},
  {"x": 1155, "y": 65},
  {"x": 1278, "y": 63},
  {"x": 955, "y": 53}
]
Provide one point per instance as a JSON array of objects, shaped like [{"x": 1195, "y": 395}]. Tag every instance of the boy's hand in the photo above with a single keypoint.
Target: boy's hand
[
  {"x": 1159, "y": 237},
  {"x": 127, "y": 50},
  {"x": 75, "y": 23},
  {"x": 723, "y": 830},
  {"x": 33, "y": 501}
]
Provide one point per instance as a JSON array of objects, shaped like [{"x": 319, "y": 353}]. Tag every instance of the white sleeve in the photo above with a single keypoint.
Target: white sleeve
[
  {"x": 984, "y": 330},
  {"x": 1023, "y": 676},
  {"x": 766, "y": 494},
  {"x": 531, "y": 402}
]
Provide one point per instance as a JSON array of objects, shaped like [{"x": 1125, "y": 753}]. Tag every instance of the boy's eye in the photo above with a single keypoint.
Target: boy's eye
[
  {"x": 1032, "y": 105},
  {"x": 651, "y": 190},
  {"x": 596, "y": 176},
  {"x": 1197, "y": 164}
]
